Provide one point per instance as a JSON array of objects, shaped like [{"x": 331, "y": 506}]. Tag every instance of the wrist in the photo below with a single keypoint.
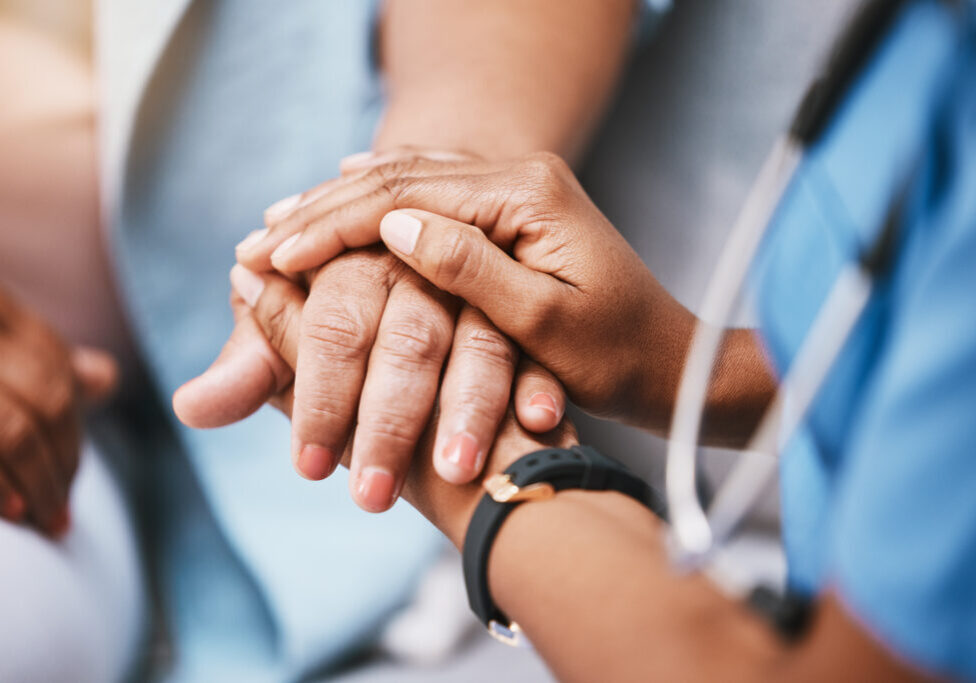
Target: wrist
[{"x": 542, "y": 539}]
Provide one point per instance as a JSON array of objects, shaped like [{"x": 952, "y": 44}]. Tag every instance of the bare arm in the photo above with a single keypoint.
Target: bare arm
[
  {"x": 587, "y": 577},
  {"x": 551, "y": 570},
  {"x": 501, "y": 77}
]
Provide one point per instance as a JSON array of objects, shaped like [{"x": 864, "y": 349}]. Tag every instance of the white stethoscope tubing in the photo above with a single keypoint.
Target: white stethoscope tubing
[
  {"x": 689, "y": 524},
  {"x": 694, "y": 533},
  {"x": 828, "y": 334}
]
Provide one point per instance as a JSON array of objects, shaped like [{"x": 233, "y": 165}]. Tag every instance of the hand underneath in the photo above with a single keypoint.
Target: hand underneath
[
  {"x": 279, "y": 312},
  {"x": 43, "y": 386}
]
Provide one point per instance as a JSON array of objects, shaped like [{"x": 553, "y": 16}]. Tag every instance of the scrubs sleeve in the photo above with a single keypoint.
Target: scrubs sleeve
[{"x": 903, "y": 551}]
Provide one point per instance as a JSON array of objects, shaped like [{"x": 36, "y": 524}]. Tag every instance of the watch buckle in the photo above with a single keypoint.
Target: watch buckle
[
  {"x": 502, "y": 490},
  {"x": 510, "y": 634}
]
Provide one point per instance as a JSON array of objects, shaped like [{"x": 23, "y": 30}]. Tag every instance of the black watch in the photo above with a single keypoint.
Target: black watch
[{"x": 537, "y": 476}]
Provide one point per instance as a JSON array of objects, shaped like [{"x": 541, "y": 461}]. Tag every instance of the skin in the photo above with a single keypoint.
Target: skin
[
  {"x": 551, "y": 564},
  {"x": 55, "y": 291},
  {"x": 43, "y": 386},
  {"x": 375, "y": 331},
  {"x": 573, "y": 297}
]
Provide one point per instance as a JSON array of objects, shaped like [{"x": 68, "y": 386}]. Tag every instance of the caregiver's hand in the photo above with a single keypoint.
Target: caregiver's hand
[
  {"x": 42, "y": 387},
  {"x": 575, "y": 297}
]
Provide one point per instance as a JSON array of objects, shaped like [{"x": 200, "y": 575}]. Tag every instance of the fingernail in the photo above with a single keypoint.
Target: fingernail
[
  {"x": 283, "y": 207},
  {"x": 252, "y": 240},
  {"x": 284, "y": 247},
  {"x": 462, "y": 451},
  {"x": 400, "y": 231},
  {"x": 246, "y": 283},
  {"x": 376, "y": 488},
  {"x": 543, "y": 401},
  {"x": 316, "y": 462},
  {"x": 15, "y": 508},
  {"x": 356, "y": 159}
]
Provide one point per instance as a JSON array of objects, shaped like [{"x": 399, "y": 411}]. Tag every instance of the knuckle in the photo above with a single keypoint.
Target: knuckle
[
  {"x": 392, "y": 178},
  {"x": 278, "y": 322},
  {"x": 546, "y": 168},
  {"x": 417, "y": 340},
  {"x": 365, "y": 266},
  {"x": 391, "y": 426},
  {"x": 321, "y": 408},
  {"x": 488, "y": 347},
  {"x": 486, "y": 407},
  {"x": 460, "y": 259},
  {"x": 337, "y": 334}
]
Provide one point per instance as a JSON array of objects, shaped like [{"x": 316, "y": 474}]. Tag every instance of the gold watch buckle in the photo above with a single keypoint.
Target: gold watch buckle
[{"x": 502, "y": 490}]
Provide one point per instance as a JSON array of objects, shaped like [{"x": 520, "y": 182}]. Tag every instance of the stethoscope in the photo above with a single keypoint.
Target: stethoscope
[{"x": 696, "y": 535}]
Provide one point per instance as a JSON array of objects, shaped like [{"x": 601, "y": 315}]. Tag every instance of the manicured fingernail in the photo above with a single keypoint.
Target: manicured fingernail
[
  {"x": 376, "y": 488},
  {"x": 278, "y": 253},
  {"x": 15, "y": 508},
  {"x": 357, "y": 159},
  {"x": 462, "y": 451},
  {"x": 400, "y": 230},
  {"x": 283, "y": 207},
  {"x": 60, "y": 523},
  {"x": 316, "y": 462},
  {"x": 545, "y": 402},
  {"x": 252, "y": 240},
  {"x": 246, "y": 283}
]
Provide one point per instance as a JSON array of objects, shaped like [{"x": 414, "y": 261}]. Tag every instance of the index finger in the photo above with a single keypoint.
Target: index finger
[{"x": 339, "y": 201}]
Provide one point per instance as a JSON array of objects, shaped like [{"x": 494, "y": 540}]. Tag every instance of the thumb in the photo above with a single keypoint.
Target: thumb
[
  {"x": 460, "y": 259},
  {"x": 246, "y": 374},
  {"x": 96, "y": 372}
]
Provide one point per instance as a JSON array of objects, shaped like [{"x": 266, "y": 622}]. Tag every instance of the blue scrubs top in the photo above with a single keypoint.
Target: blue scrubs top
[{"x": 879, "y": 488}]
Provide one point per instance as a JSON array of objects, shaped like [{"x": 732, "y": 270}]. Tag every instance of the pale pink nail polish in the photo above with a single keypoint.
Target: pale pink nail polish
[
  {"x": 543, "y": 401},
  {"x": 376, "y": 488},
  {"x": 246, "y": 283},
  {"x": 316, "y": 462},
  {"x": 463, "y": 453},
  {"x": 400, "y": 230},
  {"x": 357, "y": 159},
  {"x": 283, "y": 207},
  {"x": 252, "y": 240},
  {"x": 284, "y": 247}
]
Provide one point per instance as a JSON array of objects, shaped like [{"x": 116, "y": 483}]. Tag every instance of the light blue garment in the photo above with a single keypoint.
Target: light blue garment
[
  {"x": 251, "y": 102},
  {"x": 879, "y": 492}
]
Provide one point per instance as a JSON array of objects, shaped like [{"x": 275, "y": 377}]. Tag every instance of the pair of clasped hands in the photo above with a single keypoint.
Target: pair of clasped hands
[{"x": 419, "y": 316}]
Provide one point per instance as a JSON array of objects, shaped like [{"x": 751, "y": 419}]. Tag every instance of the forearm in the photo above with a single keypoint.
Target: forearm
[
  {"x": 501, "y": 78},
  {"x": 587, "y": 578},
  {"x": 741, "y": 386}
]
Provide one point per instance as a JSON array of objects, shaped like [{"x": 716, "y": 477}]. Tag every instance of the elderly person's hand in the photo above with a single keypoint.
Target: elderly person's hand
[
  {"x": 278, "y": 310},
  {"x": 575, "y": 296},
  {"x": 42, "y": 387},
  {"x": 379, "y": 345}
]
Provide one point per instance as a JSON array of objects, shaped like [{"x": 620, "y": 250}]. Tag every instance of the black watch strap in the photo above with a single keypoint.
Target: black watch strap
[{"x": 537, "y": 476}]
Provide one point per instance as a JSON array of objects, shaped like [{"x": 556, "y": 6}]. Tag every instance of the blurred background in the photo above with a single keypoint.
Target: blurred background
[{"x": 702, "y": 103}]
